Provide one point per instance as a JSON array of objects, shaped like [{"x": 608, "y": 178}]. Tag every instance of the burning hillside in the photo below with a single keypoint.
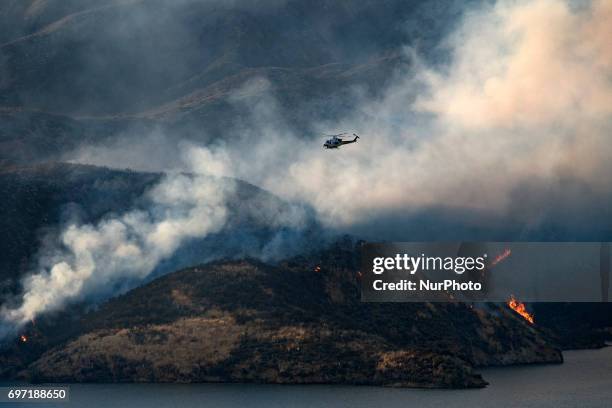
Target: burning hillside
[
  {"x": 280, "y": 324},
  {"x": 520, "y": 308}
]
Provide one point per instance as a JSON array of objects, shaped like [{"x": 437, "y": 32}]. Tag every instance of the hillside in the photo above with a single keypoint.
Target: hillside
[
  {"x": 38, "y": 201},
  {"x": 247, "y": 321},
  {"x": 155, "y": 51},
  {"x": 81, "y": 72}
]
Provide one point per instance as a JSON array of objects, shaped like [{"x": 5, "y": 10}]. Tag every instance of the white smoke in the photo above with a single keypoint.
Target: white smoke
[
  {"x": 94, "y": 258},
  {"x": 527, "y": 96}
]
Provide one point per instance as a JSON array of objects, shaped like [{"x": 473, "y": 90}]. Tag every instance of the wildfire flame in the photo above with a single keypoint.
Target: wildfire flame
[
  {"x": 23, "y": 338},
  {"x": 507, "y": 252},
  {"x": 519, "y": 307}
]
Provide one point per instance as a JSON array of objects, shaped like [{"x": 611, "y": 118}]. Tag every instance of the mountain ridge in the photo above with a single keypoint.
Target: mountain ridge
[{"x": 248, "y": 321}]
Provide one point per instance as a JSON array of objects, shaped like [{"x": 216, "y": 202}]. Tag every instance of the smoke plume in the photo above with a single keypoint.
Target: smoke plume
[
  {"x": 94, "y": 258},
  {"x": 522, "y": 109}
]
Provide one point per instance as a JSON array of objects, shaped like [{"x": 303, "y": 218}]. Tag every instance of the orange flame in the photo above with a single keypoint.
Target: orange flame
[
  {"x": 23, "y": 338},
  {"x": 519, "y": 307},
  {"x": 501, "y": 256}
]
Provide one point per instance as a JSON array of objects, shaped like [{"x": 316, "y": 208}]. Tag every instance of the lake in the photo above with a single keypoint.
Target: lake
[{"x": 584, "y": 380}]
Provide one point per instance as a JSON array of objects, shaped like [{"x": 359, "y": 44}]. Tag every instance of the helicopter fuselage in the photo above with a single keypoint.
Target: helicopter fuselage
[{"x": 336, "y": 142}]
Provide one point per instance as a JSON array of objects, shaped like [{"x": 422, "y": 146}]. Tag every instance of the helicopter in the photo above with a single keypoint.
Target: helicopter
[{"x": 336, "y": 141}]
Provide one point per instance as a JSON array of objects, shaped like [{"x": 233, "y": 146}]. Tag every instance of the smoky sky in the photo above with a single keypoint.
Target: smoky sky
[
  {"x": 513, "y": 128},
  {"x": 506, "y": 137},
  {"x": 501, "y": 139},
  {"x": 129, "y": 56}
]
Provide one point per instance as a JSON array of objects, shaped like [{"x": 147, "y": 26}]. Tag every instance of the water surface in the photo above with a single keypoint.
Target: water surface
[{"x": 584, "y": 380}]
